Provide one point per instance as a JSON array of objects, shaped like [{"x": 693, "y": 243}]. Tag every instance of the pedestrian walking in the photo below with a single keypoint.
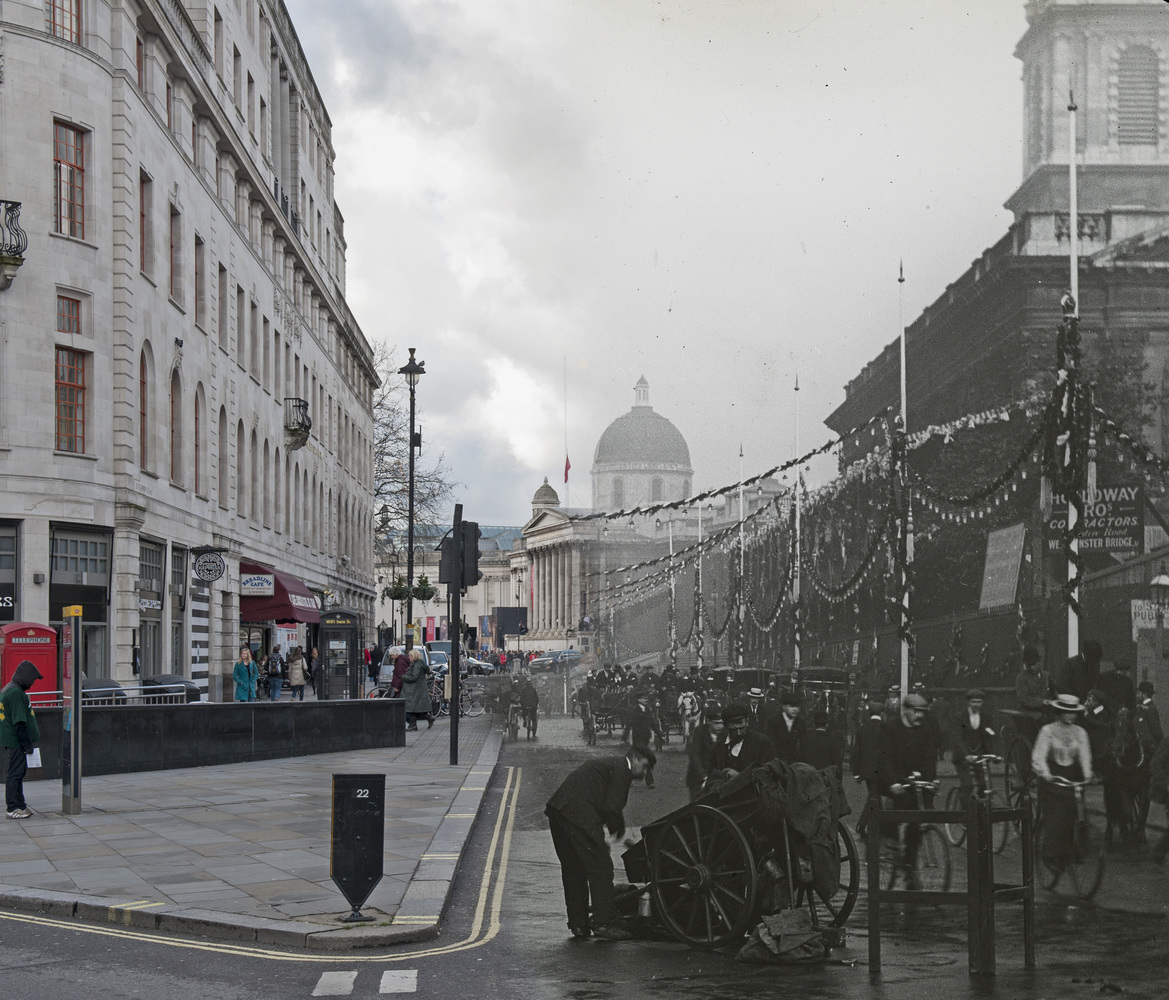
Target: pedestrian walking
[
  {"x": 243, "y": 675},
  {"x": 275, "y": 673},
  {"x": 416, "y": 692},
  {"x": 297, "y": 673},
  {"x": 19, "y": 733},
  {"x": 590, "y": 800}
]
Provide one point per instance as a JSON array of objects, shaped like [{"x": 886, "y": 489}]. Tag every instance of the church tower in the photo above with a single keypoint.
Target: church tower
[{"x": 1113, "y": 56}]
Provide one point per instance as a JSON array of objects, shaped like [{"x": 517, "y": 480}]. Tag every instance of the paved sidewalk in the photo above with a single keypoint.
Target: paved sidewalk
[{"x": 241, "y": 851}]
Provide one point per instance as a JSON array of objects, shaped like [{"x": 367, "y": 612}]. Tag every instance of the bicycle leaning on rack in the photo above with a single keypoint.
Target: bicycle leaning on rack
[
  {"x": 930, "y": 866},
  {"x": 1082, "y": 857},
  {"x": 983, "y": 785}
]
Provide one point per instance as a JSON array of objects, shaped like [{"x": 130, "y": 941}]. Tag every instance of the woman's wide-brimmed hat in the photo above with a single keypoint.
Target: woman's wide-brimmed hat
[{"x": 1066, "y": 703}]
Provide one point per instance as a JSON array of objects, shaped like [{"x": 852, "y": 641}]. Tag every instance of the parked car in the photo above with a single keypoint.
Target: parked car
[
  {"x": 556, "y": 660},
  {"x": 475, "y": 666},
  {"x": 171, "y": 684}
]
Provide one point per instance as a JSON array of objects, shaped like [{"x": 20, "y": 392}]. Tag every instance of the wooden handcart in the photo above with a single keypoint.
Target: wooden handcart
[{"x": 711, "y": 868}]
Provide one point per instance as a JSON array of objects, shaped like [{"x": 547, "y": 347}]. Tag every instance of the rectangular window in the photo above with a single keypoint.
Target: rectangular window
[
  {"x": 150, "y": 559},
  {"x": 254, "y": 353},
  {"x": 265, "y": 378},
  {"x": 169, "y": 103},
  {"x": 145, "y": 234},
  {"x": 176, "y": 255},
  {"x": 237, "y": 77},
  {"x": 241, "y": 331},
  {"x": 65, "y": 19},
  {"x": 218, "y": 42},
  {"x": 68, "y": 314},
  {"x": 70, "y": 401},
  {"x": 69, "y": 175},
  {"x": 196, "y": 155},
  {"x": 200, "y": 281},
  {"x": 222, "y": 292},
  {"x": 263, "y": 127},
  {"x": 140, "y": 63},
  {"x": 251, "y": 105}
]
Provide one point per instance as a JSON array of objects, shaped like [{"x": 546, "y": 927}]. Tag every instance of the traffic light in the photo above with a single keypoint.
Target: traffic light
[
  {"x": 471, "y": 572},
  {"x": 449, "y": 570}
]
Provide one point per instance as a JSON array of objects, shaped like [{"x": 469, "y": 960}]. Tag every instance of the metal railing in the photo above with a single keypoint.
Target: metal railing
[
  {"x": 127, "y": 694},
  {"x": 13, "y": 239},
  {"x": 296, "y": 418}
]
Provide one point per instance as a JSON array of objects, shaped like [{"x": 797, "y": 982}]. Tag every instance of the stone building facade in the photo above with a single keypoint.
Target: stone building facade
[{"x": 178, "y": 365}]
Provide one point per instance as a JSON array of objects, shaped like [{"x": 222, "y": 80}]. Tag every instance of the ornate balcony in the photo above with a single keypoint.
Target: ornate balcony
[
  {"x": 297, "y": 422},
  {"x": 13, "y": 242}
]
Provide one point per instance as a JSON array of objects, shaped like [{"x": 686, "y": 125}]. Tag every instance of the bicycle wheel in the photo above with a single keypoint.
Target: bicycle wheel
[
  {"x": 932, "y": 865},
  {"x": 472, "y": 702},
  {"x": 1085, "y": 871},
  {"x": 955, "y": 832},
  {"x": 1000, "y": 832},
  {"x": 830, "y": 910},
  {"x": 1021, "y": 781}
]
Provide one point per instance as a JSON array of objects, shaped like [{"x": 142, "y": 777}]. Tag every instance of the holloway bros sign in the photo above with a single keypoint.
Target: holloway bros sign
[{"x": 1114, "y": 520}]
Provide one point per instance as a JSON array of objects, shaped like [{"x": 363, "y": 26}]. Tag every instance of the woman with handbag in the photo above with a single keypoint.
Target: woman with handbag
[
  {"x": 416, "y": 692},
  {"x": 297, "y": 673}
]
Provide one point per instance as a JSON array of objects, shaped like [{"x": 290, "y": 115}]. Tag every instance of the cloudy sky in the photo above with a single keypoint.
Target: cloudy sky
[{"x": 712, "y": 194}]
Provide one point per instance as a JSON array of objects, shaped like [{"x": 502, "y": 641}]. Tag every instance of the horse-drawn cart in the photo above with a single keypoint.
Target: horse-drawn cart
[{"x": 712, "y": 867}]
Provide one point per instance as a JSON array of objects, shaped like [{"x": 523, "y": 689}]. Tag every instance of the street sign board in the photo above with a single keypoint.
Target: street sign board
[
  {"x": 358, "y": 850},
  {"x": 1114, "y": 520},
  {"x": 1000, "y": 575}
]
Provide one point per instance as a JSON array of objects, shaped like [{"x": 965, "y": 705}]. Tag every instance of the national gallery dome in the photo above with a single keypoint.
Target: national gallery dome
[{"x": 640, "y": 458}]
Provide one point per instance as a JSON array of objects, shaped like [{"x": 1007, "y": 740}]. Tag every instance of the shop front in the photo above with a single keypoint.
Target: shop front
[{"x": 275, "y": 608}]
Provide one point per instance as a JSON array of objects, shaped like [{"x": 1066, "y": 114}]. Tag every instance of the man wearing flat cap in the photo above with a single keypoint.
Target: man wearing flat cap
[
  {"x": 738, "y": 748},
  {"x": 973, "y": 737},
  {"x": 907, "y": 748}
]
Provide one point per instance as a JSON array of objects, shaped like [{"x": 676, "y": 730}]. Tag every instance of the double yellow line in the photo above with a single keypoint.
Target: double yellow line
[{"x": 484, "y": 927}]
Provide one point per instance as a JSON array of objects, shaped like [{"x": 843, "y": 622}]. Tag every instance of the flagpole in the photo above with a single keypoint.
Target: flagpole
[
  {"x": 796, "y": 637},
  {"x": 567, "y": 465},
  {"x": 1074, "y": 264},
  {"x": 741, "y": 556},
  {"x": 907, "y": 555}
]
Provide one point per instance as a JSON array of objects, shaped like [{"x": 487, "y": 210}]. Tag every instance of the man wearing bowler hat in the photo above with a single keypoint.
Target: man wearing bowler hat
[
  {"x": 738, "y": 748},
  {"x": 788, "y": 730}
]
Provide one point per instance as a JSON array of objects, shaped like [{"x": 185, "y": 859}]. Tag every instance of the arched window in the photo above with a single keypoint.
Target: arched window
[
  {"x": 287, "y": 497},
  {"x": 655, "y": 489},
  {"x": 176, "y": 428},
  {"x": 200, "y": 442},
  {"x": 1137, "y": 96},
  {"x": 267, "y": 485},
  {"x": 241, "y": 484},
  {"x": 296, "y": 522},
  {"x": 278, "y": 506},
  {"x": 685, "y": 489},
  {"x": 143, "y": 412},
  {"x": 224, "y": 461},
  {"x": 254, "y": 508},
  {"x": 618, "y": 492}
]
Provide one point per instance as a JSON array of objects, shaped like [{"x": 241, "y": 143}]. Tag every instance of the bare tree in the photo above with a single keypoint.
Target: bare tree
[{"x": 433, "y": 484}]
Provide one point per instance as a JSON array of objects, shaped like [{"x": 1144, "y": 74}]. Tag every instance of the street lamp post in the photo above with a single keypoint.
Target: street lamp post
[
  {"x": 413, "y": 370},
  {"x": 1159, "y": 591}
]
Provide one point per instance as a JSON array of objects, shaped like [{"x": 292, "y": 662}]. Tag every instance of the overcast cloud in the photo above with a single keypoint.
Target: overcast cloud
[{"x": 712, "y": 194}]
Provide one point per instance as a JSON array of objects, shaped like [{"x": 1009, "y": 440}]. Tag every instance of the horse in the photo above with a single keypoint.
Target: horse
[
  {"x": 1125, "y": 769},
  {"x": 690, "y": 711}
]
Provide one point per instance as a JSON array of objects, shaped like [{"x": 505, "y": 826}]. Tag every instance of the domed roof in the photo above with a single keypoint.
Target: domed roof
[
  {"x": 546, "y": 496},
  {"x": 642, "y": 436}
]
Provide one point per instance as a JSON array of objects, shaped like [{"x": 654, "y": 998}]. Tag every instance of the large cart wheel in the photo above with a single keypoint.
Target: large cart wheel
[
  {"x": 1021, "y": 782},
  {"x": 703, "y": 878},
  {"x": 833, "y": 911}
]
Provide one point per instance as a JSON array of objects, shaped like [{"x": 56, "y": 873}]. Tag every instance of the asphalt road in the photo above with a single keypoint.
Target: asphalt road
[{"x": 506, "y": 935}]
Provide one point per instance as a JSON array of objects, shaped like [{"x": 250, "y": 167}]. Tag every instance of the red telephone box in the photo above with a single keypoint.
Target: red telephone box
[{"x": 37, "y": 644}]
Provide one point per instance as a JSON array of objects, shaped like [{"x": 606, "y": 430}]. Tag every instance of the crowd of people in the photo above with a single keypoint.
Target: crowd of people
[{"x": 255, "y": 680}]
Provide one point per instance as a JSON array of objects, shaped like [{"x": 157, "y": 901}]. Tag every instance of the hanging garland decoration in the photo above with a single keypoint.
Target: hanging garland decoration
[
  {"x": 1043, "y": 429},
  {"x": 1001, "y": 414},
  {"x": 771, "y": 619},
  {"x": 683, "y": 556},
  {"x": 1066, "y": 447},
  {"x": 732, "y": 603},
  {"x": 840, "y": 594},
  {"x": 932, "y": 505},
  {"x": 1141, "y": 452},
  {"x": 694, "y": 614},
  {"x": 699, "y": 498}
]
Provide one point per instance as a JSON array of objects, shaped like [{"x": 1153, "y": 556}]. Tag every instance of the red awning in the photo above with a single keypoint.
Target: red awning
[{"x": 291, "y": 600}]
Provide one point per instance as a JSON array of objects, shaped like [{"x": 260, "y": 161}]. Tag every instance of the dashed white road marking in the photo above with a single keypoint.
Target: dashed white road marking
[
  {"x": 399, "y": 981},
  {"x": 335, "y": 984}
]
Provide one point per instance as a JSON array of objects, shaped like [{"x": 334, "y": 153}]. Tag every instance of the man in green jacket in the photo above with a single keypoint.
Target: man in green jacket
[{"x": 18, "y": 735}]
